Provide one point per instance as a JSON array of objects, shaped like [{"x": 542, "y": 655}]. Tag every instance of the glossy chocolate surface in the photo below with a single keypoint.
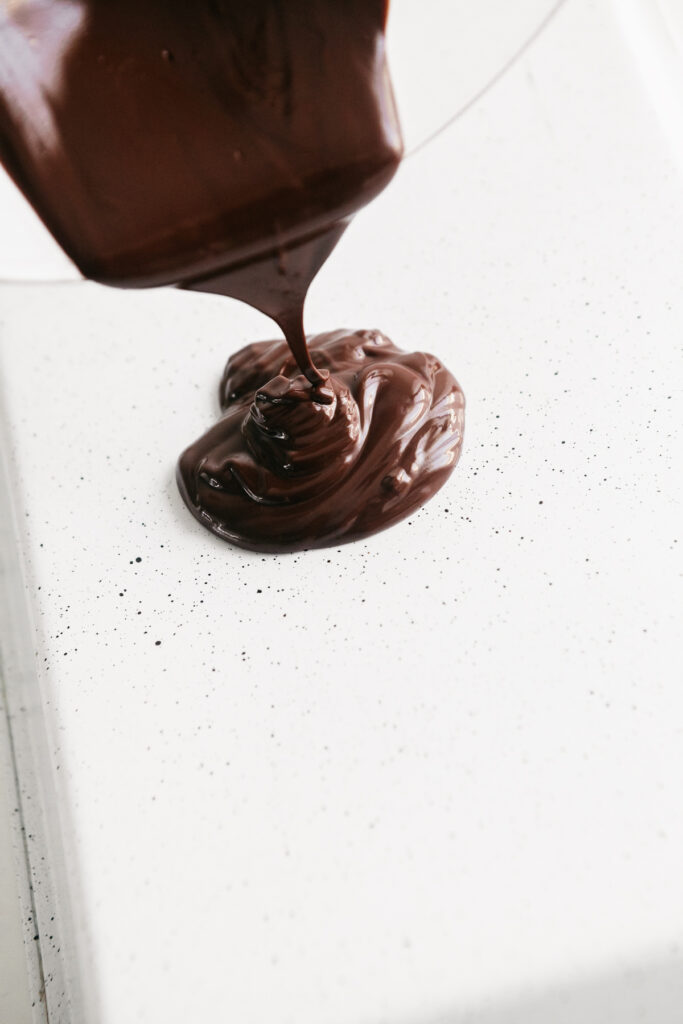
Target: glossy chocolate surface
[
  {"x": 291, "y": 466},
  {"x": 223, "y": 145},
  {"x": 164, "y": 140}
]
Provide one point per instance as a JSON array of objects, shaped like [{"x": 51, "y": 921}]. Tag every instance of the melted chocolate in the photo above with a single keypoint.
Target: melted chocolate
[
  {"x": 223, "y": 145},
  {"x": 277, "y": 285},
  {"x": 164, "y": 141},
  {"x": 290, "y": 466}
]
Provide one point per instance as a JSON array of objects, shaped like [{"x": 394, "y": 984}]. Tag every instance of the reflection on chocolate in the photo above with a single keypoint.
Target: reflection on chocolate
[
  {"x": 166, "y": 140},
  {"x": 223, "y": 145},
  {"x": 291, "y": 466},
  {"x": 277, "y": 284}
]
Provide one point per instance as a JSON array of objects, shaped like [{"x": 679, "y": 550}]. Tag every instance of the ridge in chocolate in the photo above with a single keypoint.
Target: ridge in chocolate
[
  {"x": 291, "y": 466},
  {"x": 223, "y": 145}
]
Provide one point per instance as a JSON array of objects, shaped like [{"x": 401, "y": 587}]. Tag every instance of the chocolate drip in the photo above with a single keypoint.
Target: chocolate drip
[
  {"x": 223, "y": 145},
  {"x": 277, "y": 285}
]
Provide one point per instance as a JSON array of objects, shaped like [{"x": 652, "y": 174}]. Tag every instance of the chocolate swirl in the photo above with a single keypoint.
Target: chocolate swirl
[{"x": 291, "y": 466}]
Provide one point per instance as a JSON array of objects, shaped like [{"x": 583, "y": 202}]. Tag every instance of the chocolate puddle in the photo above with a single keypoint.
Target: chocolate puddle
[
  {"x": 224, "y": 145},
  {"x": 289, "y": 466}
]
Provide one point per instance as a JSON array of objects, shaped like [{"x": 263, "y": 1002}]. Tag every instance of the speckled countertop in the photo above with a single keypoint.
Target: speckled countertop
[{"x": 433, "y": 777}]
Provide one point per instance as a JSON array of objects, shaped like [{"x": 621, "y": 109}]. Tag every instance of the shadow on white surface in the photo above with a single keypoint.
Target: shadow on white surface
[
  {"x": 649, "y": 994},
  {"x": 42, "y": 964},
  {"x": 15, "y": 1001},
  {"x": 550, "y": 838}
]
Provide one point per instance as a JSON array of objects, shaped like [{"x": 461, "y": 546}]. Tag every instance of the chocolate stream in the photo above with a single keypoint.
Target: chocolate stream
[{"x": 224, "y": 146}]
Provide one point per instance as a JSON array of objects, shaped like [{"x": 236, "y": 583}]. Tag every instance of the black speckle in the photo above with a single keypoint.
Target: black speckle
[{"x": 157, "y": 643}]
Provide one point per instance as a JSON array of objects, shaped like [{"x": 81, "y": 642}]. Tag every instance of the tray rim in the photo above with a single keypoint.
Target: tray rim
[{"x": 61, "y": 991}]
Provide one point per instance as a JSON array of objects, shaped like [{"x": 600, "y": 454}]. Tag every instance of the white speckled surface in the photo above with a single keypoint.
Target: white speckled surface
[
  {"x": 434, "y": 777},
  {"x": 15, "y": 988}
]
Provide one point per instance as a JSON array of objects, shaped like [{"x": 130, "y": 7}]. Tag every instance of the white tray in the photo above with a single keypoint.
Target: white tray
[{"x": 434, "y": 777}]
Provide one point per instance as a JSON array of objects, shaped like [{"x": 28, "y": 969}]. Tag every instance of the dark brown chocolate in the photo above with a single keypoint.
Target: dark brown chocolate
[
  {"x": 292, "y": 466},
  {"x": 223, "y": 145},
  {"x": 165, "y": 140}
]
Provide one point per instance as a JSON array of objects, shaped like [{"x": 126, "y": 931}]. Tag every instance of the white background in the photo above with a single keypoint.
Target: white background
[{"x": 434, "y": 777}]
